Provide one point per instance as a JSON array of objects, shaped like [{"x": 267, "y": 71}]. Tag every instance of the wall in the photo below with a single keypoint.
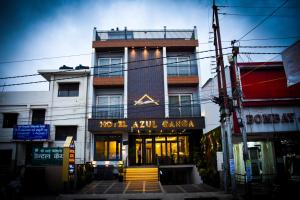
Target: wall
[{"x": 69, "y": 111}]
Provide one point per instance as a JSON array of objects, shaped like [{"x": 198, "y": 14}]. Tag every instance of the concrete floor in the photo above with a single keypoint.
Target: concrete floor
[{"x": 145, "y": 190}]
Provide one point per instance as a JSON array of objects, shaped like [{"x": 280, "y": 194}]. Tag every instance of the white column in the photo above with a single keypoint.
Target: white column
[
  {"x": 166, "y": 82},
  {"x": 199, "y": 73},
  {"x": 125, "y": 80}
]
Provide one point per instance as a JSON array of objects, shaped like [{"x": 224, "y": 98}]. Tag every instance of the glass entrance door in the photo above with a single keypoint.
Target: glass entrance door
[
  {"x": 144, "y": 151},
  {"x": 139, "y": 151},
  {"x": 149, "y": 157},
  {"x": 172, "y": 149}
]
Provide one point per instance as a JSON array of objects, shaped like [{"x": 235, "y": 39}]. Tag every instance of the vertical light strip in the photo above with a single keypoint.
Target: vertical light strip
[
  {"x": 125, "y": 80},
  {"x": 166, "y": 82}
]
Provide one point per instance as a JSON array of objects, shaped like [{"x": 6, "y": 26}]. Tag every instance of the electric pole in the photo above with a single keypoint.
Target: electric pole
[
  {"x": 223, "y": 93},
  {"x": 238, "y": 96}
]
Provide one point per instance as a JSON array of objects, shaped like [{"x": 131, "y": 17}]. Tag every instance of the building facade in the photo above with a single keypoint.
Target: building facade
[
  {"x": 33, "y": 119},
  {"x": 271, "y": 117},
  {"x": 271, "y": 114},
  {"x": 145, "y": 96}
]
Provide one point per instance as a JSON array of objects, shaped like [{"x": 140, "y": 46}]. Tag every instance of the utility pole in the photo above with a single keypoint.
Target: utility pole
[
  {"x": 220, "y": 102},
  {"x": 225, "y": 99},
  {"x": 238, "y": 95}
]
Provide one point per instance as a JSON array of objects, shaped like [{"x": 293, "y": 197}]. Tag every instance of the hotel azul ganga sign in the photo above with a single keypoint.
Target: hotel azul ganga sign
[{"x": 145, "y": 124}]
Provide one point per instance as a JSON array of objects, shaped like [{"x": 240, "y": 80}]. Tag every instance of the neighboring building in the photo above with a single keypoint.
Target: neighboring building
[
  {"x": 145, "y": 97},
  {"x": 271, "y": 114},
  {"x": 272, "y": 118},
  {"x": 50, "y": 115}
]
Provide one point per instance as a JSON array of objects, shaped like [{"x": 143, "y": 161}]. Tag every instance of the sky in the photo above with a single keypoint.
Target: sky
[{"x": 46, "y": 34}]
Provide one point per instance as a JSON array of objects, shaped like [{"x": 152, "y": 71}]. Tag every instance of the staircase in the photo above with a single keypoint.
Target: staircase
[{"x": 141, "y": 174}]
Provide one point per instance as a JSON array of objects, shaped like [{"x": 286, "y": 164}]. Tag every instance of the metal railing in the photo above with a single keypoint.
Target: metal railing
[
  {"x": 190, "y": 110},
  {"x": 108, "y": 71},
  {"x": 125, "y": 34},
  {"x": 182, "y": 70},
  {"x": 108, "y": 112}
]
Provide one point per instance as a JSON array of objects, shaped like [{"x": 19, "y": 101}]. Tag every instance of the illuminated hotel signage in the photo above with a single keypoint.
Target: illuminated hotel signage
[
  {"x": 146, "y": 99},
  {"x": 149, "y": 124},
  {"x": 270, "y": 118}
]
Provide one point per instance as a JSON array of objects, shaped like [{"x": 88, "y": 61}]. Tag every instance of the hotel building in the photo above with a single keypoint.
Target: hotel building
[{"x": 145, "y": 97}]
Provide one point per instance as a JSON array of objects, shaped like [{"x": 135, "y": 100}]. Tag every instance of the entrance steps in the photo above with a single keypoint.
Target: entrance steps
[{"x": 141, "y": 174}]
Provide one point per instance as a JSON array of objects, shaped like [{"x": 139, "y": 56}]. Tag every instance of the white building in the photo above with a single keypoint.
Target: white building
[{"x": 63, "y": 108}]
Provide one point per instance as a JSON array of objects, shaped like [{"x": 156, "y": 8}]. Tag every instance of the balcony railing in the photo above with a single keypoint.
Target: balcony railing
[
  {"x": 182, "y": 70},
  {"x": 145, "y": 34},
  {"x": 191, "y": 110},
  {"x": 108, "y": 112},
  {"x": 108, "y": 71}
]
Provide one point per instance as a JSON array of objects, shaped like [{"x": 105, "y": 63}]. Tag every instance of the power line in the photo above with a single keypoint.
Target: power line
[
  {"x": 250, "y": 7},
  {"x": 262, "y": 21},
  {"x": 256, "y": 15},
  {"x": 116, "y": 64},
  {"x": 44, "y": 58}
]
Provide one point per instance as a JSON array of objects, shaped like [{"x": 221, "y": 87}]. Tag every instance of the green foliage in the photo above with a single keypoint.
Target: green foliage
[{"x": 205, "y": 156}]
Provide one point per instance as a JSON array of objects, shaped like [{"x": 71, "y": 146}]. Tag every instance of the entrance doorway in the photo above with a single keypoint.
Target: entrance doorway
[{"x": 167, "y": 150}]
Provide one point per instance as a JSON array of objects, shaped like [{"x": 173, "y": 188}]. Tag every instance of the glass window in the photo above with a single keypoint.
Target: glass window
[
  {"x": 172, "y": 66},
  {"x": 178, "y": 66},
  {"x": 38, "y": 116},
  {"x": 109, "y": 106},
  {"x": 108, "y": 147},
  {"x": 9, "y": 120},
  {"x": 110, "y": 67},
  {"x": 61, "y": 132},
  {"x": 180, "y": 105},
  {"x": 68, "y": 89}
]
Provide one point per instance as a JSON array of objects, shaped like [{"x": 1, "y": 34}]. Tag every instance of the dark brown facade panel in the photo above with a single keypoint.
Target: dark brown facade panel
[
  {"x": 143, "y": 43},
  {"x": 108, "y": 81},
  {"x": 145, "y": 80},
  {"x": 183, "y": 80}
]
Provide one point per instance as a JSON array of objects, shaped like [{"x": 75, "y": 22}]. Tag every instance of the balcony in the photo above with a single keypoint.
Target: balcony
[
  {"x": 141, "y": 38},
  {"x": 190, "y": 110},
  {"x": 182, "y": 70},
  {"x": 125, "y": 34},
  {"x": 108, "y": 71},
  {"x": 108, "y": 112}
]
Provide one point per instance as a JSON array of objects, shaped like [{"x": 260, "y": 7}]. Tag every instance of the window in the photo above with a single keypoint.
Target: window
[
  {"x": 9, "y": 120},
  {"x": 178, "y": 66},
  {"x": 110, "y": 67},
  {"x": 61, "y": 132},
  {"x": 108, "y": 147},
  {"x": 38, "y": 116},
  {"x": 109, "y": 106},
  {"x": 180, "y": 105},
  {"x": 68, "y": 89}
]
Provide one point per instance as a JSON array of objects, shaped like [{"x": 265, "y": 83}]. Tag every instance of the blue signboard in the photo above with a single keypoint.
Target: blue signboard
[
  {"x": 31, "y": 132},
  {"x": 231, "y": 166}
]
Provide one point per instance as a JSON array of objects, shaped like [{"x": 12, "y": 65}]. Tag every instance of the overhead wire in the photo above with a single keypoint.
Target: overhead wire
[{"x": 262, "y": 21}]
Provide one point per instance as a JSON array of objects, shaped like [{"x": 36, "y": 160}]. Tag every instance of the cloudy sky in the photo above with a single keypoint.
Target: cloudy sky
[{"x": 46, "y": 34}]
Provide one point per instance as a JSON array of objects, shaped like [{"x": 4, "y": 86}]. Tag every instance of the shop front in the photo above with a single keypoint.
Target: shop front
[
  {"x": 273, "y": 141},
  {"x": 145, "y": 141}
]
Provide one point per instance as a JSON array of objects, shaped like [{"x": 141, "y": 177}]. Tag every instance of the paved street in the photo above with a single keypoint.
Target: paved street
[{"x": 145, "y": 190}]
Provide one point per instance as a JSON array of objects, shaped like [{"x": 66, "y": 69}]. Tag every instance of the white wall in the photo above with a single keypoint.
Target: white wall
[
  {"x": 69, "y": 111},
  {"x": 59, "y": 111},
  {"x": 209, "y": 109}
]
